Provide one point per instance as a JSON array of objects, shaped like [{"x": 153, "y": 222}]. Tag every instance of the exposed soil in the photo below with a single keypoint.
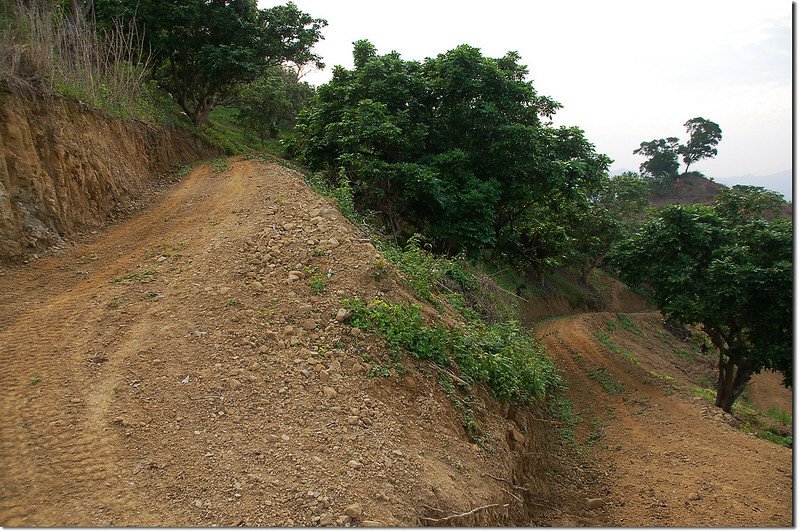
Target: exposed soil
[
  {"x": 176, "y": 369},
  {"x": 65, "y": 168},
  {"x": 669, "y": 459}
]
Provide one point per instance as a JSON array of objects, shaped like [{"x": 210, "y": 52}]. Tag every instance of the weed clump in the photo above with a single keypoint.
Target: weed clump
[{"x": 501, "y": 356}]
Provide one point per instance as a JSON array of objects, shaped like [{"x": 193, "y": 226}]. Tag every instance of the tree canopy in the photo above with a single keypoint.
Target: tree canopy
[
  {"x": 458, "y": 147},
  {"x": 704, "y": 135},
  {"x": 728, "y": 273},
  {"x": 204, "y": 49},
  {"x": 662, "y": 156}
]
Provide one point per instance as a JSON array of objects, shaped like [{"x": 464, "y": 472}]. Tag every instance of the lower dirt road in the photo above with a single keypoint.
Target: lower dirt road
[{"x": 669, "y": 460}]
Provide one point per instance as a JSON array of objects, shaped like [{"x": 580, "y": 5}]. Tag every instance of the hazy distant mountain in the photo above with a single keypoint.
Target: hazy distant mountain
[{"x": 780, "y": 182}]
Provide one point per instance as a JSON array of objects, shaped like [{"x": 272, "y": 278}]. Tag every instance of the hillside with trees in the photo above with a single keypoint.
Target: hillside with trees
[{"x": 403, "y": 297}]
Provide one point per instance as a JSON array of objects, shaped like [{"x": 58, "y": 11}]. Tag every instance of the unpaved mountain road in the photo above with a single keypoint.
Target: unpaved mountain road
[
  {"x": 668, "y": 463},
  {"x": 160, "y": 373}
]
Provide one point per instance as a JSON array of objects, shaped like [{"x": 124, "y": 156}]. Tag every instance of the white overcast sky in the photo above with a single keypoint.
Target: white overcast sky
[{"x": 625, "y": 71}]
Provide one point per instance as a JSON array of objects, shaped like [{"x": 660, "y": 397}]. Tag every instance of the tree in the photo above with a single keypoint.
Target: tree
[
  {"x": 457, "y": 148},
  {"x": 204, "y": 49},
  {"x": 663, "y": 157},
  {"x": 704, "y": 135},
  {"x": 607, "y": 214},
  {"x": 271, "y": 102},
  {"x": 730, "y": 275}
]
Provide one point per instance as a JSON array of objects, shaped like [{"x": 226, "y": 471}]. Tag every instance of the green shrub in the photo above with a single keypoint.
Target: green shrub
[{"x": 501, "y": 356}]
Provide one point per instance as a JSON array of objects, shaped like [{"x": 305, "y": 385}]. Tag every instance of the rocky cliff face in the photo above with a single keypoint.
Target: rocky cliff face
[{"x": 66, "y": 168}]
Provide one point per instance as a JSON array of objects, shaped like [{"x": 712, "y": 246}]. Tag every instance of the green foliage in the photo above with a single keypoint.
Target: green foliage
[
  {"x": 317, "y": 284},
  {"x": 605, "y": 339},
  {"x": 732, "y": 276},
  {"x": 220, "y": 165},
  {"x": 204, "y": 50},
  {"x": 779, "y": 415},
  {"x": 501, "y": 356},
  {"x": 704, "y": 135},
  {"x": 629, "y": 325},
  {"x": 662, "y": 156},
  {"x": 454, "y": 148},
  {"x": 606, "y": 380},
  {"x": 560, "y": 408},
  {"x": 741, "y": 202},
  {"x": 270, "y": 103}
]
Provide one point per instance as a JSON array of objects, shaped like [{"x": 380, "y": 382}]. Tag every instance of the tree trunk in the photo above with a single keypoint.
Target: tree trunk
[
  {"x": 731, "y": 383},
  {"x": 201, "y": 112}
]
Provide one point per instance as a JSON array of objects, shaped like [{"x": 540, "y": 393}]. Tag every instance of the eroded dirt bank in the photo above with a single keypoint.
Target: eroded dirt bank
[{"x": 65, "y": 168}]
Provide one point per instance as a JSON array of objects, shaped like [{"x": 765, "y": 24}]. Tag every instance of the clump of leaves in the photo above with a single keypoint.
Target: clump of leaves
[
  {"x": 502, "y": 356},
  {"x": 220, "y": 165},
  {"x": 317, "y": 283}
]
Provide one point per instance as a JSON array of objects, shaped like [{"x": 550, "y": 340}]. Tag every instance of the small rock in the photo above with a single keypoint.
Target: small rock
[
  {"x": 234, "y": 384},
  {"x": 198, "y": 503},
  {"x": 356, "y": 367},
  {"x": 296, "y": 273},
  {"x": 293, "y": 277},
  {"x": 329, "y": 392},
  {"x": 352, "y": 420},
  {"x": 342, "y": 520},
  {"x": 695, "y": 497},
  {"x": 342, "y": 314},
  {"x": 594, "y": 504},
  {"x": 324, "y": 376},
  {"x": 371, "y": 524},
  {"x": 325, "y": 520},
  {"x": 336, "y": 366},
  {"x": 354, "y": 511},
  {"x": 355, "y": 464}
]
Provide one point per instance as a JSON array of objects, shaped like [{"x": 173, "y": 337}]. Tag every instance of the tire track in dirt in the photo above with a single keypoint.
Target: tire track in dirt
[
  {"x": 56, "y": 443},
  {"x": 666, "y": 464}
]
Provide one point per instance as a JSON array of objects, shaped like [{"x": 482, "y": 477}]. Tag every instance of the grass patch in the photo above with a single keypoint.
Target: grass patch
[
  {"x": 629, "y": 325},
  {"x": 220, "y": 165},
  {"x": 605, "y": 339},
  {"x": 317, "y": 283},
  {"x": 781, "y": 416},
  {"x": 606, "y": 380},
  {"x": 501, "y": 356},
  {"x": 561, "y": 409}
]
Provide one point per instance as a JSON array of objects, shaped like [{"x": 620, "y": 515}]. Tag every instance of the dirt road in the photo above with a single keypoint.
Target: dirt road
[
  {"x": 668, "y": 462},
  {"x": 185, "y": 367},
  {"x": 180, "y": 369}
]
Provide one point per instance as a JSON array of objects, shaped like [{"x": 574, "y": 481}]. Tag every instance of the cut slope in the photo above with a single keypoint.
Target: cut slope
[
  {"x": 174, "y": 371},
  {"x": 670, "y": 460},
  {"x": 66, "y": 168}
]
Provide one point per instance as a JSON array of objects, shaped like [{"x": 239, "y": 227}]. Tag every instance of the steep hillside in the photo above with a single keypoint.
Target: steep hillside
[
  {"x": 65, "y": 168},
  {"x": 669, "y": 458},
  {"x": 190, "y": 366}
]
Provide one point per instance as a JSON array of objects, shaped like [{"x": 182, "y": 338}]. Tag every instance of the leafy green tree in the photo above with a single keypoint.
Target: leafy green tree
[
  {"x": 271, "y": 102},
  {"x": 458, "y": 147},
  {"x": 662, "y": 162},
  {"x": 730, "y": 275},
  {"x": 744, "y": 201},
  {"x": 204, "y": 49},
  {"x": 605, "y": 215},
  {"x": 704, "y": 135}
]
